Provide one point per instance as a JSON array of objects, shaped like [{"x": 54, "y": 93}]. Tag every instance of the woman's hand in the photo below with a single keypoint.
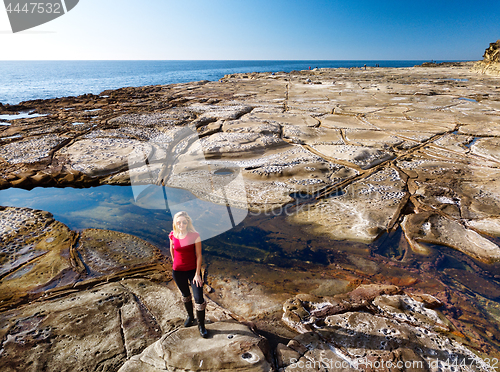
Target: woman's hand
[{"x": 197, "y": 280}]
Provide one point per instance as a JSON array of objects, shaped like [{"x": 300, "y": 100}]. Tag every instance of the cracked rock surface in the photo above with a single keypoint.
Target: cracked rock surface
[
  {"x": 256, "y": 141},
  {"x": 235, "y": 346},
  {"x": 94, "y": 329},
  {"x": 369, "y": 151},
  {"x": 370, "y": 326},
  {"x": 365, "y": 209},
  {"x": 42, "y": 256}
]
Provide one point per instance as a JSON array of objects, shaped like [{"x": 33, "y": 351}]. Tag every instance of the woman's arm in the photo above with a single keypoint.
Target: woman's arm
[
  {"x": 197, "y": 277},
  {"x": 172, "y": 249}
]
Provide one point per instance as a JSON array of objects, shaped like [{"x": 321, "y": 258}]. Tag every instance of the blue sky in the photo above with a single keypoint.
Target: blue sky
[{"x": 257, "y": 29}]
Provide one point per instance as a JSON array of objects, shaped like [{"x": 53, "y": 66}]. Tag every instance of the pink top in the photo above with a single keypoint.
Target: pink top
[{"x": 184, "y": 251}]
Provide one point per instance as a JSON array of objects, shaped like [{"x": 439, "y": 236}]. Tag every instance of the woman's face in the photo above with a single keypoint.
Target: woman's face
[{"x": 181, "y": 224}]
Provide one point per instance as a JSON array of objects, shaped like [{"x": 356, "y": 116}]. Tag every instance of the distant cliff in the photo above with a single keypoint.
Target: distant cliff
[
  {"x": 491, "y": 60},
  {"x": 492, "y": 54}
]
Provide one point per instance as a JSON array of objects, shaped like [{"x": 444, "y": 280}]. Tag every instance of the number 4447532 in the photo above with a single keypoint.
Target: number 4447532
[{"x": 34, "y": 8}]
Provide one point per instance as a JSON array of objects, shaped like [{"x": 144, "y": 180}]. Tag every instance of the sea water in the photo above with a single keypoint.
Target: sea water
[{"x": 28, "y": 80}]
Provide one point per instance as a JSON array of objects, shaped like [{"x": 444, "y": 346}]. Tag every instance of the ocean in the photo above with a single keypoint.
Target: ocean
[{"x": 28, "y": 80}]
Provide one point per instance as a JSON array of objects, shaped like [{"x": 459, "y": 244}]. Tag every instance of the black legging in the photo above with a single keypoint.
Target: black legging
[{"x": 183, "y": 279}]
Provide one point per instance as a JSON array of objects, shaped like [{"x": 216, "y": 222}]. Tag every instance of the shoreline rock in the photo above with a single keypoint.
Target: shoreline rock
[
  {"x": 263, "y": 140},
  {"x": 237, "y": 349},
  {"x": 41, "y": 257},
  {"x": 369, "y": 327},
  {"x": 399, "y": 147}
]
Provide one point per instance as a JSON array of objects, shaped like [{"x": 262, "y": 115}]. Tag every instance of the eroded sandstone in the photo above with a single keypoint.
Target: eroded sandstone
[
  {"x": 368, "y": 150},
  {"x": 262, "y": 139},
  {"x": 392, "y": 327},
  {"x": 231, "y": 347},
  {"x": 41, "y": 255},
  {"x": 95, "y": 329},
  {"x": 491, "y": 62},
  {"x": 365, "y": 208},
  {"x": 35, "y": 253},
  {"x": 437, "y": 229}
]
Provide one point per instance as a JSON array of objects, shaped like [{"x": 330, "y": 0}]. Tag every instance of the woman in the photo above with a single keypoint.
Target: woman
[{"x": 185, "y": 250}]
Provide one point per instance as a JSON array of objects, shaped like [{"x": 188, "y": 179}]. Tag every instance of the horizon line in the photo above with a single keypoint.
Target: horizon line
[{"x": 231, "y": 60}]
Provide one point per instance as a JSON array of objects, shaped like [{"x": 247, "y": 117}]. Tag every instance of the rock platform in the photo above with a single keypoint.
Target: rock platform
[
  {"x": 115, "y": 312},
  {"x": 358, "y": 152},
  {"x": 394, "y": 142},
  {"x": 372, "y": 328}
]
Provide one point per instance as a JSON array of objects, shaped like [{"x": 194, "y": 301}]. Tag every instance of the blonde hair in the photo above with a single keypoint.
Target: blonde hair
[{"x": 190, "y": 227}]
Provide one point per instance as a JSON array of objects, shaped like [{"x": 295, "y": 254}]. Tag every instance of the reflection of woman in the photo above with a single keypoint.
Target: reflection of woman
[{"x": 185, "y": 250}]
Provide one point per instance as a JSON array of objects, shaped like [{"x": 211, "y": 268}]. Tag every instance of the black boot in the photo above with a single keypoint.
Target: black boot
[
  {"x": 190, "y": 318},
  {"x": 200, "y": 314}
]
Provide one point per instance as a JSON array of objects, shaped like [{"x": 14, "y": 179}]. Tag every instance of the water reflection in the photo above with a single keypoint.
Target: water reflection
[
  {"x": 22, "y": 115},
  {"x": 147, "y": 214}
]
